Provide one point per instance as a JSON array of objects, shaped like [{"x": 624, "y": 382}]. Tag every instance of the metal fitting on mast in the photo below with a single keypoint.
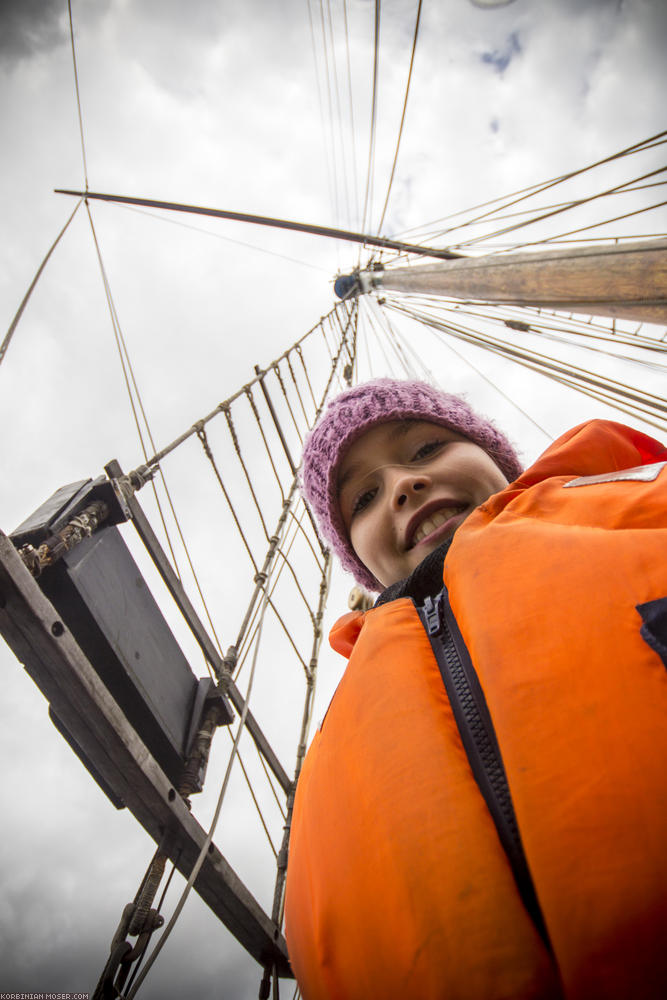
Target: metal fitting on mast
[{"x": 349, "y": 286}]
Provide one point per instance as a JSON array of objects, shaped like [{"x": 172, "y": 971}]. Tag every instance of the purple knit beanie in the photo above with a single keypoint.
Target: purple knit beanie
[{"x": 350, "y": 415}]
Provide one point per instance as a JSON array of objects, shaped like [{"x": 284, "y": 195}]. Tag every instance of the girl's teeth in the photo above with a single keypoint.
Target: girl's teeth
[
  {"x": 426, "y": 528},
  {"x": 433, "y": 522}
]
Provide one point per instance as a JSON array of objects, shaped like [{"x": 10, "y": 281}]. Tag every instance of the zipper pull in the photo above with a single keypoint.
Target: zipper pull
[{"x": 432, "y": 615}]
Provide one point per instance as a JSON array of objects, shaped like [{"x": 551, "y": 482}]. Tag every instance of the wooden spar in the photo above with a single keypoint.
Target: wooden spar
[
  {"x": 628, "y": 281},
  {"x": 263, "y": 220}
]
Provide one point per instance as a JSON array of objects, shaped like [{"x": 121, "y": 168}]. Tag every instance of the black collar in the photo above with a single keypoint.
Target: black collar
[{"x": 424, "y": 581}]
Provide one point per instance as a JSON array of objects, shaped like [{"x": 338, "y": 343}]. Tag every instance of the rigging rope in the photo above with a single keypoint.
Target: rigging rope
[
  {"x": 400, "y": 128},
  {"x": 528, "y": 192},
  {"x": 254, "y": 797},
  {"x": 239, "y": 455},
  {"x": 407, "y": 368},
  {"x": 533, "y": 321},
  {"x": 605, "y": 222},
  {"x": 624, "y": 389},
  {"x": 339, "y": 118},
  {"x": 357, "y": 206},
  {"x": 24, "y": 301},
  {"x": 383, "y": 318},
  {"x": 371, "y": 145},
  {"x": 278, "y": 908},
  {"x": 332, "y": 198},
  {"x": 78, "y": 97},
  {"x": 260, "y": 427},
  {"x": 568, "y": 206},
  {"x": 249, "y": 633},
  {"x": 201, "y": 434},
  {"x": 137, "y": 967},
  {"x": 334, "y": 163},
  {"x": 320, "y": 325},
  {"x": 641, "y": 403},
  {"x": 270, "y": 781},
  {"x": 127, "y": 367},
  {"x": 228, "y": 239},
  {"x": 496, "y": 387}
]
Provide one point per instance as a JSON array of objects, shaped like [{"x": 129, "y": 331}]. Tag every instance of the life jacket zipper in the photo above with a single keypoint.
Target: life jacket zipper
[{"x": 479, "y": 740}]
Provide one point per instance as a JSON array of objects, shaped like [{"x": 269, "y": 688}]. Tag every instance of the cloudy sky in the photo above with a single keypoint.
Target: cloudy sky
[{"x": 224, "y": 104}]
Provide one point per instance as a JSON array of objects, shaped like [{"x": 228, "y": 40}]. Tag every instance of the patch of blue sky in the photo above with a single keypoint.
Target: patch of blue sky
[{"x": 500, "y": 58}]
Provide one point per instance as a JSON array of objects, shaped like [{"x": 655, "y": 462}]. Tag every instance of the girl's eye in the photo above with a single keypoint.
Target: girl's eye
[
  {"x": 363, "y": 500},
  {"x": 426, "y": 449}
]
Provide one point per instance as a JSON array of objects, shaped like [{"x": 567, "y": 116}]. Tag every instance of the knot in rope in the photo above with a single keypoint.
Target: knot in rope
[
  {"x": 201, "y": 434},
  {"x": 232, "y": 430}
]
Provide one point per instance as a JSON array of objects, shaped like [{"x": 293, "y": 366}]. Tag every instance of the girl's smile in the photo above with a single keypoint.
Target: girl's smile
[
  {"x": 429, "y": 520},
  {"x": 404, "y": 487}
]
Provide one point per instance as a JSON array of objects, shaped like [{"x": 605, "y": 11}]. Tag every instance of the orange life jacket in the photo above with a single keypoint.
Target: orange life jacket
[{"x": 397, "y": 884}]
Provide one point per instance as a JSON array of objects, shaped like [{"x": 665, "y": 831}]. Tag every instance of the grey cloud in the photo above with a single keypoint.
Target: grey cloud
[
  {"x": 29, "y": 26},
  {"x": 178, "y": 45}
]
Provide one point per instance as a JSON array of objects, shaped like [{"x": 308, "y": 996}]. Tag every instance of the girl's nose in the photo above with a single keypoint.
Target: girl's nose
[{"x": 406, "y": 485}]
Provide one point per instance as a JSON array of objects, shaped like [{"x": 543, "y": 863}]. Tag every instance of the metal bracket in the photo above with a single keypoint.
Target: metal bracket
[
  {"x": 210, "y": 710},
  {"x": 122, "y": 954}
]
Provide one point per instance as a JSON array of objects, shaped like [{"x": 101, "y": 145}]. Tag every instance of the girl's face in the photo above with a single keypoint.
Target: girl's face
[{"x": 404, "y": 487}]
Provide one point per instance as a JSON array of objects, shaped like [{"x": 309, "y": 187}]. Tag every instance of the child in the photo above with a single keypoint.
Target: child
[{"x": 483, "y": 811}]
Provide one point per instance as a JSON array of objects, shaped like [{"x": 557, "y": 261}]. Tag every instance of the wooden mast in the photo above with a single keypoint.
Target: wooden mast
[{"x": 627, "y": 281}]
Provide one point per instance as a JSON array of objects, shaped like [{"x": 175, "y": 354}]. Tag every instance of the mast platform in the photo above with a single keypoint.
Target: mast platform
[{"x": 41, "y": 641}]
